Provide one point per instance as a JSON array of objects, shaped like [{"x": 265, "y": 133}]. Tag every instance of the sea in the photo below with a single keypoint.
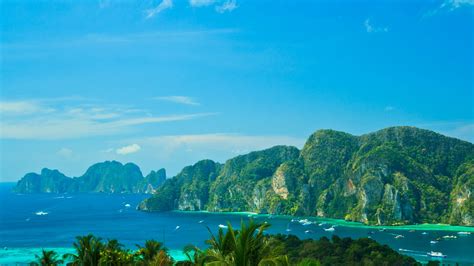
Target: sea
[{"x": 31, "y": 222}]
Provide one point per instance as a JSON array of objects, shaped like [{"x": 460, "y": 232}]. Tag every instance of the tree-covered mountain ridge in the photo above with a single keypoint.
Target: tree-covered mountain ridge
[
  {"x": 107, "y": 177},
  {"x": 397, "y": 175}
]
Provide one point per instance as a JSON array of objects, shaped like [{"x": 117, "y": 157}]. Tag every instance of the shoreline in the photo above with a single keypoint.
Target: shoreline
[{"x": 341, "y": 222}]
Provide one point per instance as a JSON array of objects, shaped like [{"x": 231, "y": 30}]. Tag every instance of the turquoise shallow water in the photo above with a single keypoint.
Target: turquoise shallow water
[{"x": 23, "y": 233}]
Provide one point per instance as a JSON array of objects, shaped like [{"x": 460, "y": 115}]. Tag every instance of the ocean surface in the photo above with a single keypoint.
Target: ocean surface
[{"x": 31, "y": 222}]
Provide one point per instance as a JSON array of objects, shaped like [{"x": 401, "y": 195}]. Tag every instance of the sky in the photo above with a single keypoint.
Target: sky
[{"x": 165, "y": 83}]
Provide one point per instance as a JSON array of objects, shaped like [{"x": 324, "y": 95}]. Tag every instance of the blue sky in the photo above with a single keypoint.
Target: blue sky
[{"x": 167, "y": 83}]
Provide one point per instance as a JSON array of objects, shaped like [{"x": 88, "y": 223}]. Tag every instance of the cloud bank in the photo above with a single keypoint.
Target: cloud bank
[{"x": 47, "y": 120}]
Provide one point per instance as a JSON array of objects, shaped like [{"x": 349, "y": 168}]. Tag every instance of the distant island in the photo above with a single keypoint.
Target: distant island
[
  {"x": 106, "y": 177},
  {"x": 397, "y": 175}
]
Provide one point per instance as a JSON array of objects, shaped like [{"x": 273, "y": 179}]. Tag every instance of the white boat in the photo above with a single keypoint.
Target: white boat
[
  {"x": 330, "y": 229},
  {"x": 288, "y": 230},
  {"x": 202, "y": 221},
  {"x": 307, "y": 223},
  {"x": 294, "y": 220},
  {"x": 308, "y": 231},
  {"x": 321, "y": 224},
  {"x": 127, "y": 205},
  {"x": 399, "y": 236},
  {"x": 436, "y": 254},
  {"x": 177, "y": 227},
  {"x": 464, "y": 233},
  {"x": 450, "y": 237},
  {"x": 223, "y": 226},
  {"x": 433, "y": 242},
  {"x": 40, "y": 213},
  {"x": 303, "y": 221},
  {"x": 424, "y": 233}
]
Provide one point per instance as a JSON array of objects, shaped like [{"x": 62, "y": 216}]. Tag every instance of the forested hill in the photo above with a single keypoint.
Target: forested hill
[{"x": 397, "y": 175}]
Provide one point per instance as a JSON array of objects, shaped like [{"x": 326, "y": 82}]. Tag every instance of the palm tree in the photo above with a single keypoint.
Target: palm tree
[
  {"x": 251, "y": 246},
  {"x": 88, "y": 249},
  {"x": 47, "y": 258},
  {"x": 247, "y": 247},
  {"x": 113, "y": 254},
  {"x": 151, "y": 249},
  {"x": 161, "y": 259},
  {"x": 221, "y": 246},
  {"x": 194, "y": 255},
  {"x": 113, "y": 244}
]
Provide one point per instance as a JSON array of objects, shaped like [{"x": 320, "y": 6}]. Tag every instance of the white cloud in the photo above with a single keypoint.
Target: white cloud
[
  {"x": 465, "y": 132},
  {"x": 201, "y": 3},
  {"x": 220, "y": 6},
  {"x": 448, "y": 6},
  {"x": 76, "y": 121},
  {"x": 178, "y": 99},
  {"x": 370, "y": 28},
  {"x": 22, "y": 108},
  {"x": 454, "y": 4},
  {"x": 233, "y": 143},
  {"x": 227, "y": 6},
  {"x": 128, "y": 149},
  {"x": 109, "y": 150},
  {"x": 66, "y": 127},
  {"x": 65, "y": 152},
  {"x": 165, "y": 4},
  {"x": 458, "y": 129}
]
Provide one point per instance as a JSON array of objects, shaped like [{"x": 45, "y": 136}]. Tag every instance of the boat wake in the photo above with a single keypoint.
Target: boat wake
[{"x": 414, "y": 252}]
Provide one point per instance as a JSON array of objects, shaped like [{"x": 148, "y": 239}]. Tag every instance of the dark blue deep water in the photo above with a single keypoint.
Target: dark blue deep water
[{"x": 23, "y": 232}]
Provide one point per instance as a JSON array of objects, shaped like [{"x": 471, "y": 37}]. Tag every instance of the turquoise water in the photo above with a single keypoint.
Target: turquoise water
[{"x": 23, "y": 233}]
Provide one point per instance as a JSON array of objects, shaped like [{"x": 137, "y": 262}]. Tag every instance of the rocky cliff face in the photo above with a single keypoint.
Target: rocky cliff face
[
  {"x": 107, "y": 177},
  {"x": 238, "y": 187},
  {"x": 393, "y": 176},
  {"x": 462, "y": 196}
]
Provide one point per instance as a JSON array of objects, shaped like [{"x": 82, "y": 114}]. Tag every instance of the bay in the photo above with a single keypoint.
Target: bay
[{"x": 34, "y": 221}]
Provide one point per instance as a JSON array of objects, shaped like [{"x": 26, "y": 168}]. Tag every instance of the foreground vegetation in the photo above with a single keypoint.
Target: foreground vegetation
[{"x": 246, "y": 246}]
